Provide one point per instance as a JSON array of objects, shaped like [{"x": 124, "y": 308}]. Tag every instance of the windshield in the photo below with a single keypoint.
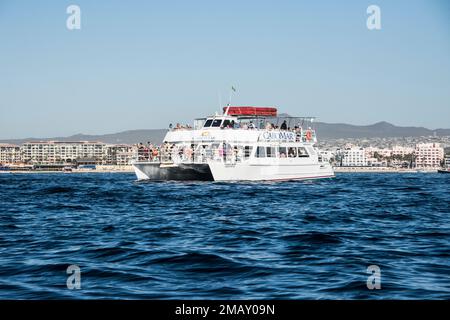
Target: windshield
[
  {"x": 217, "y": 122},
  {"x": 208, "y": 123}
]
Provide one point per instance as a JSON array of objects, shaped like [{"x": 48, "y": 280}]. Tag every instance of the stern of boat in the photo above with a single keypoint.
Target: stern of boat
[{"x": 158, "y": 171}]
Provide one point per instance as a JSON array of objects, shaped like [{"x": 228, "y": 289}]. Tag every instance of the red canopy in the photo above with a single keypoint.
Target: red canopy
[{"x": 251, "y": 111}]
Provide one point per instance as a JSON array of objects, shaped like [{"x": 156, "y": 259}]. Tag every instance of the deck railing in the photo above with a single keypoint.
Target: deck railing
[
  {"x": 176, "y": 155},
  {"x": 168, "y": 153}
]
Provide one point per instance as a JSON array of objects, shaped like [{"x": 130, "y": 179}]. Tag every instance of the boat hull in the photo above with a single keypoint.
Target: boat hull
[
  {"x": 219, "y": 171},
  {"x": 257, "y": 172},
  {"x": 444, "y": 171},
  {"x": 179, "y": 172}
]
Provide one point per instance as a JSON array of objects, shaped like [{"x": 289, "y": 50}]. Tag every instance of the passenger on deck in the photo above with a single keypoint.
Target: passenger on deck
[
  {"x": 202, "y": 154},
  {"x": 188, "y": 152},
  {"x": 291, "y": 153},
  {"x": 298, "y": 133},
  {"x": 284, "y": 125},
  {"x": 235, "y": 153}
]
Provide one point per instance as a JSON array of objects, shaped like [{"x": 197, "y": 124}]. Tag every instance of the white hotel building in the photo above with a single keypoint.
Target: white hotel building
[
  {"x": 9, "y": 154},
  {"x": 447, "y": 162},
  {"x": 354, "y": 157},
  {"x": 402, "y": 151},
  {"x": 120, "y": 154},
  {"x": 59, "y": 152},
  {"x": 429, "y": 155}
]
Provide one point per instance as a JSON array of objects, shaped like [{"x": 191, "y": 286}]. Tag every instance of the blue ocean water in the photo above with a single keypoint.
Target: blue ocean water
[{"x": 189, "y": 240}]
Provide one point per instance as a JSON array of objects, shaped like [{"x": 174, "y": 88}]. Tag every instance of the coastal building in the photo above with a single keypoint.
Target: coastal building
[
  {"x": 447, "y": 161},
  {"x": 376, "y": 162},
  {"x": 62, "y": 152},
  {"x": 397, "y": 156},
  {"x": 327, "y": 155},
  {"x": 120, "y": 154},
  {"x": 388, "y": 152},
  {"x": 354, "y": 157},
  {"x": 375, "y": 152},
  {"x": 402, "y": 151},
  {"x": 429, "y": 155},
  {"x": 9, "y": 154},
  {"x": 77, "y": 153}
]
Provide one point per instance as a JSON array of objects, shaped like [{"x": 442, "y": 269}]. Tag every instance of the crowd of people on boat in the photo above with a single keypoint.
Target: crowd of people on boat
[
  {"x": 179, "y": 126},
  {"x": 231, "y": 124},
  {"x": 170, "y": 152},
  {"x": 164, "y": 152}
]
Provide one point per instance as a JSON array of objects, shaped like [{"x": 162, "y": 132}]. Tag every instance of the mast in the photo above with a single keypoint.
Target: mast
[{"x": 233, "y": 89}]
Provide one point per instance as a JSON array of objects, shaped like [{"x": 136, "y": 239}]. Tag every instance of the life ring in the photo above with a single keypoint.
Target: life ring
[{"x": 308, "y": 135}]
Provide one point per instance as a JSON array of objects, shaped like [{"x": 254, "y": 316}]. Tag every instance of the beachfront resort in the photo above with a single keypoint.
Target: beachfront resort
[{"x": 95, "y": 155}]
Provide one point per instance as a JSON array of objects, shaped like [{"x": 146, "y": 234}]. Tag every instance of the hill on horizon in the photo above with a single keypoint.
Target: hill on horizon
[{"x": 381, "y": 129}]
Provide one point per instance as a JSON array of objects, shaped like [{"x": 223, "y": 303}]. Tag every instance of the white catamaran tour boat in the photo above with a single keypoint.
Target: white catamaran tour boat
[{"x": 243, "y": 143}]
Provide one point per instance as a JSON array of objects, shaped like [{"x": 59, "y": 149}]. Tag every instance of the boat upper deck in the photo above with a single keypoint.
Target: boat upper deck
[
  {"x": 246, "y": 124},
  {"x": 240, "y": 135}
]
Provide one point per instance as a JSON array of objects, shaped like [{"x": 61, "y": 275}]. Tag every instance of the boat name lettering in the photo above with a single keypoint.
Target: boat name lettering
[{"x": 290, "y": 136}]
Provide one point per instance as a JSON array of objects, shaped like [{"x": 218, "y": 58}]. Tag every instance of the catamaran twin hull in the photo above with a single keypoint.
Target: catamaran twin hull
[{"x": 219, "y": 171}]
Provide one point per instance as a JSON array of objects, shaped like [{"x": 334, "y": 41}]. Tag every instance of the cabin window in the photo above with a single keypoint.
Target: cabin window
[
  {"x": 226, "y": 123},
  {"x": 247, "y": 151},
  {"x": 292, "y": 152},
  {"x": 302, "y": 152},
  {"x": 283, "y": 153},
  {"x": 216, "y": 123},
  {"x": 260, "y": 152},
  {"x": 270, "y": 151},
  {"x": 208, "y": 123}
]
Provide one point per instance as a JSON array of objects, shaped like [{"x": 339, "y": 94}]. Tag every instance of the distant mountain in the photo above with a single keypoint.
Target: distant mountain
[
  {"x": 324, "y": 130},
  {"x": 378, "y": 130},
  {"x": 124, "y": 137}
]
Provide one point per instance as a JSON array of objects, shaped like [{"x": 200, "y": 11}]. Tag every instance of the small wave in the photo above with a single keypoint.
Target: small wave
[
  {"x": 104, "y": 272},
  {"x": 204, "y": 263},
  {"x": 108, "y": 228},
  {"x": 109, "y": 252},
  {"x": 10, "y": 226},
  {"x": 56, "y": 190},
  {"x": 63, "y": 207},
  {"x": 313, "y": 237},
  {"x": 409, "y": 189}
]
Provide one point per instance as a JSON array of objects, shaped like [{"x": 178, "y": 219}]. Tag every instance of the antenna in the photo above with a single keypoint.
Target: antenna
[{"x": 233, "y": 89}]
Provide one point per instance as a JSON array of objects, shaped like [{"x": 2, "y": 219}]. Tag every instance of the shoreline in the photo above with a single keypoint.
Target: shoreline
[
  {"x": 99, "y": 169},
  {"x": 130, "y": 170},
  {"x": 380, "y": 170},
  {"x": 65, "y": 172}
]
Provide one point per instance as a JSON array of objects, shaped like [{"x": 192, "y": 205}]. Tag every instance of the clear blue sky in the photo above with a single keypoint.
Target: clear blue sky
[{"x": 143, "y": 64}]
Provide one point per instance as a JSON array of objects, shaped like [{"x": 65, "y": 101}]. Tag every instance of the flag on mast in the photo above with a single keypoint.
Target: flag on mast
[{"x": 233, "y": 89}]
